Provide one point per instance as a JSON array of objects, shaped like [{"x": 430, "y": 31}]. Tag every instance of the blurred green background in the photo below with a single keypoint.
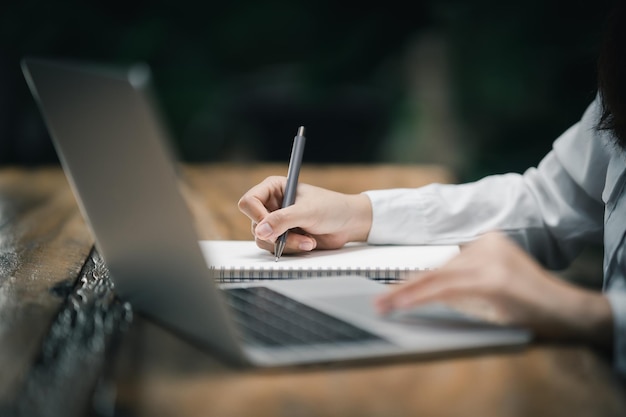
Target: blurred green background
[{"x": 481, "y": 86}]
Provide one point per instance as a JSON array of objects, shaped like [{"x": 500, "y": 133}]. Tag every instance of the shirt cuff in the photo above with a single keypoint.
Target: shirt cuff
[{"x": 397, "y": 217}]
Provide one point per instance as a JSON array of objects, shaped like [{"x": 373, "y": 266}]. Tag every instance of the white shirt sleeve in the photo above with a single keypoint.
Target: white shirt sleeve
[{"x": 551, "y": 210}]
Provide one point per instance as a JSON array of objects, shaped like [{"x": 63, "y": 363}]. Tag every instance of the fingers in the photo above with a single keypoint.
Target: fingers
[
  {"x": 257, "y": 203},
  {"x": 277, "y": 223},
  {"x": 466, "y": 275},
  {"x": 263, "y": 198},
  {"x": 262, "y": 205},
  {"x": 427, "y": 287},
  {"x": 491, "y": 278},
  {"x": 296, "y": 242}
]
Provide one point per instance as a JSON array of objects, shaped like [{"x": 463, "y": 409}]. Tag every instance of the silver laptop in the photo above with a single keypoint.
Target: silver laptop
[{"x": 118, "y": 162}]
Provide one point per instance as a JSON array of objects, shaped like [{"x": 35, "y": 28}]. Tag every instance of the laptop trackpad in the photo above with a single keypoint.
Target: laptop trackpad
[{"x": 362, "y": 306}]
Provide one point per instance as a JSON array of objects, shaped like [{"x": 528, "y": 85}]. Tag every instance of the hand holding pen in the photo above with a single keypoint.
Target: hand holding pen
[
  {"x": 325, "y": 219},
  {"x": 295, "y": 162}
]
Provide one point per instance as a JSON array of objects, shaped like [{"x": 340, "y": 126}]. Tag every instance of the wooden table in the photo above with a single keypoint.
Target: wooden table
[{"x": 70, "y": 347}]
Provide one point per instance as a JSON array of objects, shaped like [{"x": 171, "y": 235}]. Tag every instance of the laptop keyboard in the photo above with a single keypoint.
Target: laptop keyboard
[{"x": 268, "y": 318}]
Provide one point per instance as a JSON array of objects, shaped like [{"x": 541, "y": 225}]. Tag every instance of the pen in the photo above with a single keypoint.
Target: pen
[{"x": 295, "y": 161}]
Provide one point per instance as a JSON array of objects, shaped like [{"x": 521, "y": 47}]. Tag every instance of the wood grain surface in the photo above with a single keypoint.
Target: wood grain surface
[{"x": 107, "y": 360}]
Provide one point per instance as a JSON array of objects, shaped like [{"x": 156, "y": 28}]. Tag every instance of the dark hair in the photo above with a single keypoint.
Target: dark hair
[{"x": 612, "y": 75}]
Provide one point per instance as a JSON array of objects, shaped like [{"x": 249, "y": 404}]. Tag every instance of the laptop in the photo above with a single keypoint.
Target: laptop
[{"x": 118, "y": 161}]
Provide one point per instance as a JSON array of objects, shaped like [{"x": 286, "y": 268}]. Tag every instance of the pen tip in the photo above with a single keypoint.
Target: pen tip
[
  {"x": 301, "y": 131},
  {"x": 276, "y": 260}
]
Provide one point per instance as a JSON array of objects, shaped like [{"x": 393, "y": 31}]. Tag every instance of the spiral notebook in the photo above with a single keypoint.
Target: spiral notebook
[{"x": 236, "y": 261}]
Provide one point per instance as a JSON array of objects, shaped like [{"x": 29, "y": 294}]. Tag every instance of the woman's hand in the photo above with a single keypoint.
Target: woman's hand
[
  {"x": 496, "y": 280},
  {"x": 321, "y": 218}
]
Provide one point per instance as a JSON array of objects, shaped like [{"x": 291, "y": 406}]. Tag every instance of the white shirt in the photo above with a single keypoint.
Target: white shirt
[{"x": 575, "y": 196}]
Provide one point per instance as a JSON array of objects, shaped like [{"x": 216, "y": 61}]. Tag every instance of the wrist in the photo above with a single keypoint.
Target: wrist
[
  {"x": 571, "y": 313},
  {"x": 596, "y": 325},
  {"x": 360, "y": 208}
]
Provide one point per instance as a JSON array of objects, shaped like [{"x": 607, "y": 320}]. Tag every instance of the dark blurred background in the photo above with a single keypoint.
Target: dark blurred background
[{"x": 481, "y": 86}]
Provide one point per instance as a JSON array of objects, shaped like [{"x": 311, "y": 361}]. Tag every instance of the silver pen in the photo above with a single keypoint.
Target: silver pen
[{"x": 295, "y": 161}]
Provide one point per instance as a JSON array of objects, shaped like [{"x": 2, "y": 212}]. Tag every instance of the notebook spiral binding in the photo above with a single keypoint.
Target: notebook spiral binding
[{"x": 237, "y": 274}]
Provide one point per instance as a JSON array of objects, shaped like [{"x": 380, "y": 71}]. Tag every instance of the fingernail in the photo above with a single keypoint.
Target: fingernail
[
  {"x": 264, "y": 231},
  {"x": 306, "y": 245}
]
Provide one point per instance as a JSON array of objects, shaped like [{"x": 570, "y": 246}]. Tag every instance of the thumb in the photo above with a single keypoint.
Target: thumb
[
  {"x": 275, "y": 224},
  {"x": 265, "y": 231}
]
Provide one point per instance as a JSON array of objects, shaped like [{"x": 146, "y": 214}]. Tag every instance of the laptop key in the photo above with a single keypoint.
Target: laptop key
[{"x": 269, "y": 318}]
